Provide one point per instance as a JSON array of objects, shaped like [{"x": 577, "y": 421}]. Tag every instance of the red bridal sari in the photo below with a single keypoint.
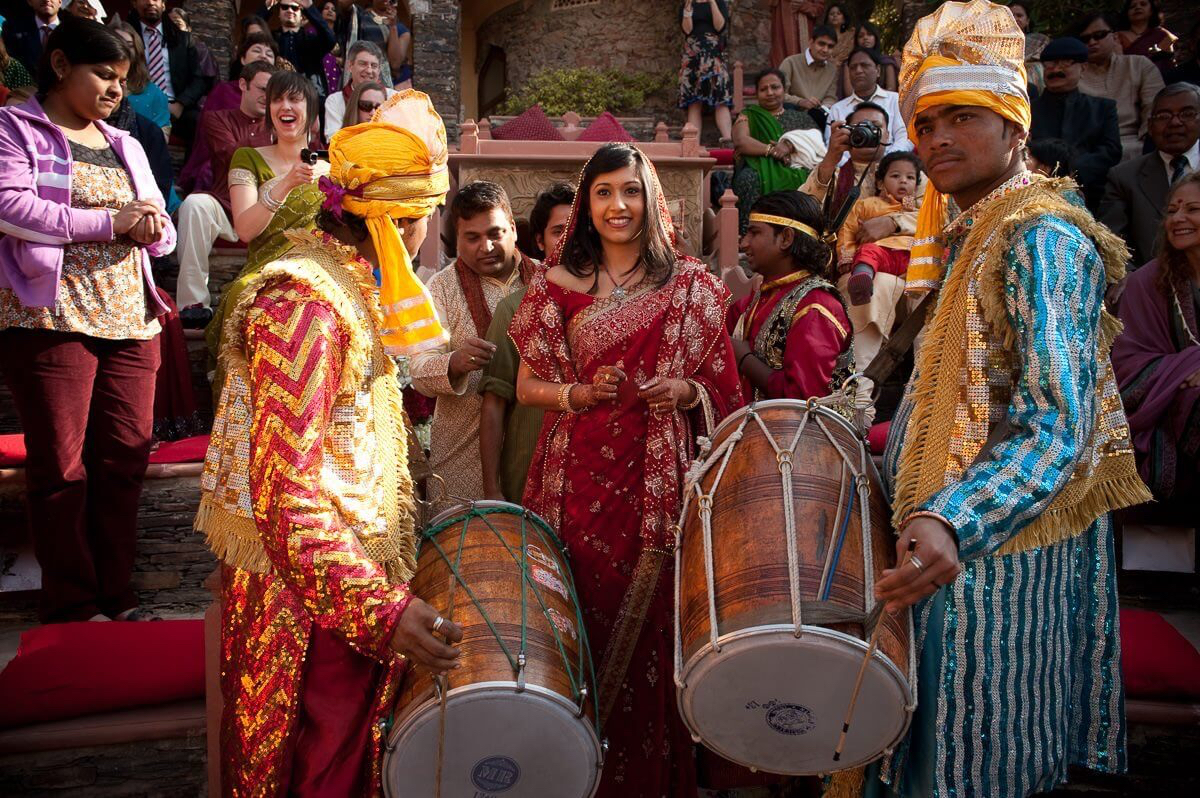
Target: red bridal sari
[{"x": 610, "y": 479}]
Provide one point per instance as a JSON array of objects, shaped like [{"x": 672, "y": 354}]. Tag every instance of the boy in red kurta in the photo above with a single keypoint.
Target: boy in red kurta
[{"x": 791, "y": 337}]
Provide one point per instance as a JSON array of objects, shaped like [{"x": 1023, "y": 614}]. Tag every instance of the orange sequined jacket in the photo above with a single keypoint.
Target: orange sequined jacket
[{"x": 306, "y": 501}]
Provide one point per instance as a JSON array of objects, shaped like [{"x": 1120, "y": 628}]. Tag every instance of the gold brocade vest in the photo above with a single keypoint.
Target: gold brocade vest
[
  {"x": 364, "y": 470},
  {"x": 969, "y": 343}
]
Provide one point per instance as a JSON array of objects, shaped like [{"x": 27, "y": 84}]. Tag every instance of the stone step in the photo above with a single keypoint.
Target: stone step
[
  {"x": 172, "y": 560},
  {"x": 148, "y": 751}
]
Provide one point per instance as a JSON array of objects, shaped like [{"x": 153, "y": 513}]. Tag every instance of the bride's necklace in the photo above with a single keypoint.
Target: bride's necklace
[{"x": 618, "y": 293}]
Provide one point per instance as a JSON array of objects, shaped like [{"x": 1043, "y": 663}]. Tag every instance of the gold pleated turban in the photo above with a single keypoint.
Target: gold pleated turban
[
  {"x": 962, "y": 54},
  {"x": 394, "y": 167}
]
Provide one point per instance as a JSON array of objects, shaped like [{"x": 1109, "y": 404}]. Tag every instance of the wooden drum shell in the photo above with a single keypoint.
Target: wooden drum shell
[
  {"x": 749, "y": 549},
  {"x": 527, "y": 711}
]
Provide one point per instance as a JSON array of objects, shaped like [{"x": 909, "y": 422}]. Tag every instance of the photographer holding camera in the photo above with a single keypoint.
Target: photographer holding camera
[{"x": 864, "y": 135}]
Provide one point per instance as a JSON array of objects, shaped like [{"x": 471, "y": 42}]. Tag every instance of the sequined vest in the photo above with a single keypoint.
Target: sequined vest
[
  {"x": 771, "y": 341},
  {"x": 364, "y": 468}
]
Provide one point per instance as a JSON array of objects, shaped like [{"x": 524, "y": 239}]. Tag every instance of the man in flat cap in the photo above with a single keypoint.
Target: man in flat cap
[{"x": 1088, "y": 124}]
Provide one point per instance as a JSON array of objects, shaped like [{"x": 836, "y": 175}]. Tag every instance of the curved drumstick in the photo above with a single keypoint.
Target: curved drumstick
[{"x": 862, "y": 669}]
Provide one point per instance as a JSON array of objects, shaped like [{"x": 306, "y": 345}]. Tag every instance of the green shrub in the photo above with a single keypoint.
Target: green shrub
[{"x": 587, "y": 92}]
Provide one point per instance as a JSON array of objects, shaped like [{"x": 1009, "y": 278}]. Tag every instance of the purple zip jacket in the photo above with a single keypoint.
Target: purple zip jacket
[{"x": 36, "y": 217}]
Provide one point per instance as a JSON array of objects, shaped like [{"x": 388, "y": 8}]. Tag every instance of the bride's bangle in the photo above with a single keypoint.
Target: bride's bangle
[{"x": 564, "y": 397}]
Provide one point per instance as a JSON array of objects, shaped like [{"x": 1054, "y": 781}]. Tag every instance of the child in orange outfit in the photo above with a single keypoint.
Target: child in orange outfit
[{"x": 898, "y": 176}]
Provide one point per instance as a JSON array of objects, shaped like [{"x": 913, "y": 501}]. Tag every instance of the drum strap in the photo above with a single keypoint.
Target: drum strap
[
  {"x": 899, "y": 342},
  {"x": 630, "y": 620}
]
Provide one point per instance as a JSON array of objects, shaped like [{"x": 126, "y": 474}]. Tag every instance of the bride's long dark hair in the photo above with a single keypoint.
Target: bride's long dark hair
[{"x": 583, "y": 249}]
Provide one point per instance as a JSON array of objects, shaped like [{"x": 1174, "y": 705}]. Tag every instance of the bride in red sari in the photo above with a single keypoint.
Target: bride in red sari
[{"x": 622, "y": 341}]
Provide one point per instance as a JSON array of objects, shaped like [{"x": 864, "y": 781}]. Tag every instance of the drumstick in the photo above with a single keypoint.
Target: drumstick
[
  {"x": 862, "y": 669},
  {"x": 444, "y": 682}
]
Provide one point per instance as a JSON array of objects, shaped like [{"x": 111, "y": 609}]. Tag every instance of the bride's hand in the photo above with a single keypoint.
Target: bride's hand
[{"x": 666, "y": 395}]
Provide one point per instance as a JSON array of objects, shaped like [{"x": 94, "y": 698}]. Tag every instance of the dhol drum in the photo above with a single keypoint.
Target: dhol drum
[
  {"x": 784, "y": 531},
  {"x": 518, "y": 718}
]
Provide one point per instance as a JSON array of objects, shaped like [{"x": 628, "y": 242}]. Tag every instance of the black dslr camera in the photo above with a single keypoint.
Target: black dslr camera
[
  {"x": 311, "y": 157},
  {"x": 865, "y": 134}
]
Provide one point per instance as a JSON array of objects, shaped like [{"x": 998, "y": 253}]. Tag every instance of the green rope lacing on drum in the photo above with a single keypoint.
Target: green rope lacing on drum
[{"x": 583, "y": 669}]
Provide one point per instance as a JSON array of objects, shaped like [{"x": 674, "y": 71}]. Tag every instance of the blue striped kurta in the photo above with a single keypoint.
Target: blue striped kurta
[{"x": 1020, "y": 656}]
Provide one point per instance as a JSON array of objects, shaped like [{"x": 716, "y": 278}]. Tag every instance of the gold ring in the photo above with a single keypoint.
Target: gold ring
[{"x": 437, "y": 623}]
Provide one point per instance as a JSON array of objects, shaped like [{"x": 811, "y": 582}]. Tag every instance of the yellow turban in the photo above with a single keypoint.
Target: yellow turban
[
  {"x": 962, "y": 54},
  {"x": 394, "y": 167}
]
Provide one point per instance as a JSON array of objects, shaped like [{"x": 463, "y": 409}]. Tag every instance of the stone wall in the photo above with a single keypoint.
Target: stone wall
[
  {"x": 627, "y": 35},
  {"x": 213, "y": 23},
  {"x": 436, "y": 56}
]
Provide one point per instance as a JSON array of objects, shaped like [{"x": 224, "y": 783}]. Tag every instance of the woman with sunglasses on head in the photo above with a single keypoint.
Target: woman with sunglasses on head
[
  {"x": 271, "y": 190},
  {"x": 363, "y": 102}
]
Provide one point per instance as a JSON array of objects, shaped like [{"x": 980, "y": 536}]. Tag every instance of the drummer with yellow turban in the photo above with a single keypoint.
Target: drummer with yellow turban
[
  {"x": 1010, "y": 448},
  {"x": 306, "y": 498}
]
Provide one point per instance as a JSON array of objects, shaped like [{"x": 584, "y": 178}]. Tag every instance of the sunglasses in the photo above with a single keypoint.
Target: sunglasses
[
  {"x": 288, "y": 7},
  {"x": 367, "y": 107},
  {"x": 1088, "y": 38}
]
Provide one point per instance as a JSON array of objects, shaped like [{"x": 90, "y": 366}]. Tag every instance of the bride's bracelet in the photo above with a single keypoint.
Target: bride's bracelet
[{"x": 564, "y": 397}]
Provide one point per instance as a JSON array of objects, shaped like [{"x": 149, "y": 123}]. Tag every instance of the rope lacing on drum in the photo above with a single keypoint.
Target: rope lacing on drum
[{"x": 579, "y": 674}]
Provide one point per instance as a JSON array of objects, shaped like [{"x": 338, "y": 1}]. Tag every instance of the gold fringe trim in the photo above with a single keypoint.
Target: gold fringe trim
[
  {"x": 233, "y": 538},
  {"x": 1069, "y": 515},
  {"x": 846, "y": 784},
  {"x": 1115, "y": 483}
]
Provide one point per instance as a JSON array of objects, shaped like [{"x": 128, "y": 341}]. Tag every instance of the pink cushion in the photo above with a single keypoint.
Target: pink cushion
[
  {"x": 605, "y": 128},
  {"x": 70, "y": 669},
  {"x": 877, "y": 436},
  {"x": 532, "y": 125},
  {"x": 724, "y": 157},
  {"x": 186, "y": 450},
  {"x": 1157, "y": 661},
  {"x": 12, "y": 450}
]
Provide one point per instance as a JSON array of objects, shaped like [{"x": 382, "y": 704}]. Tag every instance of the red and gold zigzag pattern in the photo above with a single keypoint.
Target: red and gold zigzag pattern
[{"x": 321, "y": 572}]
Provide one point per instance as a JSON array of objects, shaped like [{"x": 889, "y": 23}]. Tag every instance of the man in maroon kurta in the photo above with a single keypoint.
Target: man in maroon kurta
[{"x": 205, "y": 216}]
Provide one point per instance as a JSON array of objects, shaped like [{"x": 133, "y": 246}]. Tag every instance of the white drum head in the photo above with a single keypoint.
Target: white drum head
[
  {"x": 498, "y": 743},
  {"x": 776, "y": 703}
]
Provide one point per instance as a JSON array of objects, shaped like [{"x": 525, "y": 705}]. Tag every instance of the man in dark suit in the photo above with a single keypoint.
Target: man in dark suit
[
  {"x": 1133, "y": 201},
  {"x": 174, "y": 64},
  {"x": 1088, "y": 124},
  {"x": 25, "y": 34}
]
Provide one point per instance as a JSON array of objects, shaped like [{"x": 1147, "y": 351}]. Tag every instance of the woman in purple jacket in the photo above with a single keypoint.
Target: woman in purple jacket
[{"x": 80, "y": 216}]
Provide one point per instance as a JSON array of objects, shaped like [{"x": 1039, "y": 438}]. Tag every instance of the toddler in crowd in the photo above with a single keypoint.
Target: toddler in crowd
[{"x": 897, "y": 179}]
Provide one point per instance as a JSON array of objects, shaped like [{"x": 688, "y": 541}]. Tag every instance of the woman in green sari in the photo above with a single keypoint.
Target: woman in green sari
[
  {"x": 271, "y": 191},
  {"x": 762, "y": 159}
]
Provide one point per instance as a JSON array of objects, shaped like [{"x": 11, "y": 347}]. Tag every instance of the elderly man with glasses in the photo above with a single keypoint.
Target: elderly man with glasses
[
  {"x": 1132, "y": 80},
  {"x": 1137, "y": 190}
]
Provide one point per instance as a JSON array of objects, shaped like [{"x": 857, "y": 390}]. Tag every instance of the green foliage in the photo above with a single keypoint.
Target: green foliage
[{"x": 587, "y": 92}]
